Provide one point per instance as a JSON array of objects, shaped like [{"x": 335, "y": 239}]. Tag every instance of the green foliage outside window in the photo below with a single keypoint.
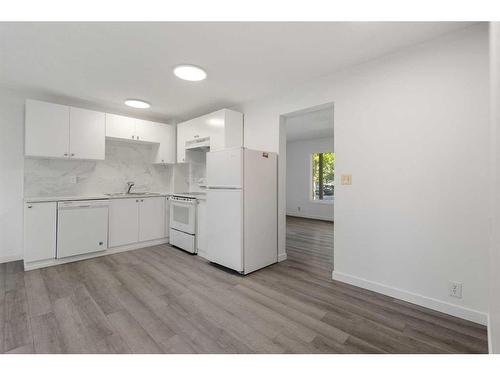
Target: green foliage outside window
[{"x": 323, "y": 176}]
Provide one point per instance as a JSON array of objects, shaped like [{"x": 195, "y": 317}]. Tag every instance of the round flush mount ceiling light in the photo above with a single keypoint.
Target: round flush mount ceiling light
[
  {"x": 216, "y": 121},
  {"x": 137, "y": 103},
  {"x": 190, "y": 72}
]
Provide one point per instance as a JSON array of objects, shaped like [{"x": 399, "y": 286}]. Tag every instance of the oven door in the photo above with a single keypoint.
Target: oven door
[{"x": 183, "y": 216}]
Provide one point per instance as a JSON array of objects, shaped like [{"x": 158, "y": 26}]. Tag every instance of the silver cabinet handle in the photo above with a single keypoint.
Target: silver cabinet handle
[
  {"x": 142, "y": 200},
  {"x": 197, "y": 136},
  {"x": 30, "y": 206},
  {"x": 72, "y": 154},
  {"x": 137, "y": 200},
  {"x": 65, "y": 154},
  {"x": 137, "y": 137},
  {"x": 132, "y": 137}
]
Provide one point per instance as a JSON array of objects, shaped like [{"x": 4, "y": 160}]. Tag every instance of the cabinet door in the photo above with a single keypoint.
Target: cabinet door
[
  {"x": 86, "y": 134},
  {"x": 120, "y": 127},
  {"x": 146, "y": 131},
  {"x": 123, "y": 221},
  {"x": 215, "y": 123},
  {"x": 151, "y": 218},
  {"x": 39, "y": 231},
  {"x": 167, "y": 217},
  {"x": 200, "y": 127},
  {"x": 182, "y": 136},
  {"x": 233, "y": 129},
  {"x": 46, "y": 129},
  {"x": 201, "y": 235},
  {"x": 164, "y": 152}
]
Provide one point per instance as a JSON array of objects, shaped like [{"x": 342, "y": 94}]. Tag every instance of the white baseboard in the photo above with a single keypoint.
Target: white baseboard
[
  {"x": 431, "y": 303},
  {"x": 113, "y": 250},
  {"x": 11, "y": 258},
  {"x": 315, "y": 217},
  {"x": 282, "y": 257}
]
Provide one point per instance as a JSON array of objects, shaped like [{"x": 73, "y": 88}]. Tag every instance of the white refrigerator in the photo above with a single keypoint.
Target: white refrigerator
[{"x": 242, "y": 209}]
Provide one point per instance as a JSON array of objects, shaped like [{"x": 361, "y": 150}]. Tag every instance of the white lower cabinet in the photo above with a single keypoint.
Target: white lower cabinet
[
  {"x": 40, "y": 231},
  {"x": 123, "y": 221},
  {"x": 201, "y": 223},
  {"x": 151, "y": 218},
  {"x": 167, "y": 217},
  {"x": 134, "y": 220}
]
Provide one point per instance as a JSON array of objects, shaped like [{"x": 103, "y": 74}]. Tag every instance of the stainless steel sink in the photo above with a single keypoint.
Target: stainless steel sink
[{"x": 130, "y": 194}]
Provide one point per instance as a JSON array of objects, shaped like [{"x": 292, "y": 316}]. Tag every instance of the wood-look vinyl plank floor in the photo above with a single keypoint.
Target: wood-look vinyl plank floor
[{"x": 163, "y": 300}]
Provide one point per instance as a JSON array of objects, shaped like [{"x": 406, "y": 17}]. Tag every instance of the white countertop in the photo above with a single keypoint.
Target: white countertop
[{"x": 90, "y": 197}]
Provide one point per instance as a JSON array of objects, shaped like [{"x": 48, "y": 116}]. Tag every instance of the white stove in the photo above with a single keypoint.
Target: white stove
[
  {"x": 191, "y": 195},
  {"x": 182, "y": 230}
]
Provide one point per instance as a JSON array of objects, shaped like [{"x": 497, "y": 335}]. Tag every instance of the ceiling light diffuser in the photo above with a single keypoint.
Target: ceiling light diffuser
[
  {"x": 216, "y": 121},
  {"x": 190, "y": 72},
  {"x": 136, "y": 103}
]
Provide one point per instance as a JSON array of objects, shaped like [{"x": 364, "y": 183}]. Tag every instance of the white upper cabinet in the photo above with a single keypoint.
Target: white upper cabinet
[
  {"x": 224, "y": 128},
  {"x": 164, "y": 151},
  {"x": 120, "y": 127},
  {"x": 86, "y": 134},
  {"x": 58, "y": 131},
  {"x": 162, "y": 136},
  {"x": 46, "y": 129},
  {"x": 146, "y": 131}
]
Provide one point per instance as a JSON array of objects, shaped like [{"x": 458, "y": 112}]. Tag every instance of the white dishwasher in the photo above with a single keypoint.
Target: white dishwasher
[{"x": 82, "y": 227}]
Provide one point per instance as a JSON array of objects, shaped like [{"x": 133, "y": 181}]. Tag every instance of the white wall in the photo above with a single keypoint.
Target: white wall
[
  {"x": 412, "y": 129},
  {"x": 298, "y": 179},
  {"x": 494, "y": 323},
  {"x": 11, "y": 175},
  {"x": 125, "y": 161}
]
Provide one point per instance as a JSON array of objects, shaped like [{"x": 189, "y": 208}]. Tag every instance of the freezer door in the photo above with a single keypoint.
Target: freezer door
[
  {"x": 225, "y": 168},
  {"x": 225, "y": 228}
]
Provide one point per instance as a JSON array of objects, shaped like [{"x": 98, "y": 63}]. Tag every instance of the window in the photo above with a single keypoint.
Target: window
[{"x": 323, "y": 176}]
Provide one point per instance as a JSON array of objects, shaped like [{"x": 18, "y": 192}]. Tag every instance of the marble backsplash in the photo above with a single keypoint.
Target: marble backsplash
[
  {"x": 124, "y": 162},
  {"x": 197, "y": 169}
]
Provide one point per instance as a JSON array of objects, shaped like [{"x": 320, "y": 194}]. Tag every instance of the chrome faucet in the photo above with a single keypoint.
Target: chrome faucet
[{"x": 130, "y": 185}]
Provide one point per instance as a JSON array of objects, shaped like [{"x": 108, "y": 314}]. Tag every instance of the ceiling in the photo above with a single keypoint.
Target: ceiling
[
  {"x": 104, "y": 63},
  {"x": 314, "y": 124}
]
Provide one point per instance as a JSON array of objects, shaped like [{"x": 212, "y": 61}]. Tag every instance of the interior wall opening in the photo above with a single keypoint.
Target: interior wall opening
[{"x": 309, "y": 187}]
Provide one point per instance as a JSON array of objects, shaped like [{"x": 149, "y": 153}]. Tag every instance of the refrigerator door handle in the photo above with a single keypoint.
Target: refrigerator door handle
[{"x": 224, "y": 187}]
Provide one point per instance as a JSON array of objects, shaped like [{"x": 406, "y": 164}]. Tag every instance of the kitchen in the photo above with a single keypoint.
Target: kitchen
[
  {"x": 66, "y": 228},
  {"x": 145, "y": 179}
]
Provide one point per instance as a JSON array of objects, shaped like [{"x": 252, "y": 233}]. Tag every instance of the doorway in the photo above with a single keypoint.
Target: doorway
[{"x": 307, "y": 146}]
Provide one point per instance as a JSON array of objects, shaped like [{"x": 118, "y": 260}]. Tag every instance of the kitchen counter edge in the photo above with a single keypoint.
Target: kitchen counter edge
[{"x": 90, "y": 197}]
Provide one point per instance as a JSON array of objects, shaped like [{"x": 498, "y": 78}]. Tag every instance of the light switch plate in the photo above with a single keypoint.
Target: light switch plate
[{"x": 346, "y": 179}]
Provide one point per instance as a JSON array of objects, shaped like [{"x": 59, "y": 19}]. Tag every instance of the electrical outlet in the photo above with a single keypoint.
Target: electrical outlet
[
  {"x": 455, "y": 289},
  {"x": 73, "y": 179}
]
